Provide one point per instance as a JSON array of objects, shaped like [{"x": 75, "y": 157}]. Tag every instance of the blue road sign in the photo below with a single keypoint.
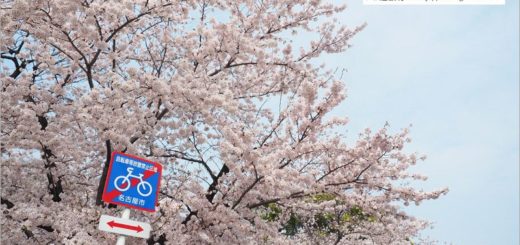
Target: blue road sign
[{"x": 132, "y": 182}]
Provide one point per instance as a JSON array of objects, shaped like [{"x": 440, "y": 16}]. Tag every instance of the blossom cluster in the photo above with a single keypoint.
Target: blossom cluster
[{"x": 223, "y": 94}]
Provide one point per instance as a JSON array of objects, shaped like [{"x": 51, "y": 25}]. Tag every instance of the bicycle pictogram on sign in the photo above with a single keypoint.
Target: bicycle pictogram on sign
[
  {"x": 132, "y": 182},
  {"x": 122, "y": 183}
]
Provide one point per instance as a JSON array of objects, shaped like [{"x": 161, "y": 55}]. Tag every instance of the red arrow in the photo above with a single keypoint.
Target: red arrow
[{"x": 137, "y": 228}]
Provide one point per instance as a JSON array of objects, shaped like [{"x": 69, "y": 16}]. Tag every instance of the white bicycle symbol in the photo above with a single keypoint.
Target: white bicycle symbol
[{"x": 122, "y": 183}]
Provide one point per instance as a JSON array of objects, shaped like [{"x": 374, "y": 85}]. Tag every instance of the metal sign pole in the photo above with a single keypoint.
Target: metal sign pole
[{"x": 125, "y": 215}]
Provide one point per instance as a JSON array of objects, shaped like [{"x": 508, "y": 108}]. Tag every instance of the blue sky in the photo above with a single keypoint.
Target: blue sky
[{"x": 452, "y": 72}]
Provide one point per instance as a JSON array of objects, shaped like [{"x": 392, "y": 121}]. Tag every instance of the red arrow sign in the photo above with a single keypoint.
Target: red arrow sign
[{"x": 113, "y": 224}]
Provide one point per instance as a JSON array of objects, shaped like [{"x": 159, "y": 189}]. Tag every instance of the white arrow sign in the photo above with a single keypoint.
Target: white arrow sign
[{"x": 124, "y": 226}]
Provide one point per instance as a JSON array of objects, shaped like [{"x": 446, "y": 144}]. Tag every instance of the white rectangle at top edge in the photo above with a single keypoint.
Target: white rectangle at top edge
[{"x": 434, "y": 2}]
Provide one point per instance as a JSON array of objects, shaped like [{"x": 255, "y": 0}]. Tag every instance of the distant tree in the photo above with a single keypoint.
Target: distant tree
[{"x": 214, "y": 91}]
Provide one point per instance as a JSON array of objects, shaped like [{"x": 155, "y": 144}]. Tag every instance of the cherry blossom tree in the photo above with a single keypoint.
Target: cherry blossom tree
[{"x": 219, "y": 93}]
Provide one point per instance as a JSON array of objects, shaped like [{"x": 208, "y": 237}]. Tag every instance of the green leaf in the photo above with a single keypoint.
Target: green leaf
[
  {"x": 293, "y": 225},
  {"x": 272, "y": 213},
  {"x": 356, "y": 211},
  {"x": 346, "y": 217},
  {"x": 322, "y": 197},
  {"x": 371, "y": 218}
]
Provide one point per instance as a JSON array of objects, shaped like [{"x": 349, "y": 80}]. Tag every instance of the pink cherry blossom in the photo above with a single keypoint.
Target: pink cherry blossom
[{"x": 219, "y": 94}]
